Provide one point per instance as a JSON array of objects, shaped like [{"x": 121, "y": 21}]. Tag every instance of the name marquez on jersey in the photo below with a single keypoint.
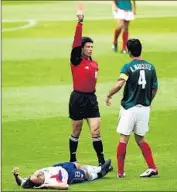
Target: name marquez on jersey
[{"x": 140, "y": 67}]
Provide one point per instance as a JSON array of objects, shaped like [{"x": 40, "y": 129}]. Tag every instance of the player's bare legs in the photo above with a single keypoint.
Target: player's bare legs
[
  {"x": 117, "y": 32},
  {"x": 74, "y": 138},
  {"x": 125, "y": 35},
  {"x": 121, "y": 153},
  {"x": 94, "y": 124},
  {"x": 147, "y": 154}
]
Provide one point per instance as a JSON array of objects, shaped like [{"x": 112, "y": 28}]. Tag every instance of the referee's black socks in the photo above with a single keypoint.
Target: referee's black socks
[
  {"x": 73, "y": 143},
  {"x": 98, "y": 146}
]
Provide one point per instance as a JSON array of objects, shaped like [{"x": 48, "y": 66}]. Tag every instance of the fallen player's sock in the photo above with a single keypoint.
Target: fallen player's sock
[{"x": 92, "y": 176}]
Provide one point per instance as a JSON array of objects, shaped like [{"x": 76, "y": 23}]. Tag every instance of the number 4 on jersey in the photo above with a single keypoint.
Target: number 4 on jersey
[{"x": 142, "y": 79}]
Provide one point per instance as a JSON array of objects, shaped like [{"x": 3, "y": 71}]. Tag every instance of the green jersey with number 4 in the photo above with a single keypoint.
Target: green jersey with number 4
[{"x": 141, "y": 78}]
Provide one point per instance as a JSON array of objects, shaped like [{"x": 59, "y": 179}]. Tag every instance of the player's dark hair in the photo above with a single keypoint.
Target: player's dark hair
[
  {"x": 134, "y": 47},
  {"x": 29, "y": 184},
  {"x": 86, "y": 40}
]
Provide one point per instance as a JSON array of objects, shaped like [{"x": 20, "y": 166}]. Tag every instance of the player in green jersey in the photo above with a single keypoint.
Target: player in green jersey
[
  {"x": 123, "y": 12},
  {"x": 139, "y": 77}
]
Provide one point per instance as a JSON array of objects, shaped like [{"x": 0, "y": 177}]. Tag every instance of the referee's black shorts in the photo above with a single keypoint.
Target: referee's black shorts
[{"x": 83, "y": 106}]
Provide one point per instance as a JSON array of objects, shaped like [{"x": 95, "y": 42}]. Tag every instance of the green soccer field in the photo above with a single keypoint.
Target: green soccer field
[{"x": 36, "y": 85}]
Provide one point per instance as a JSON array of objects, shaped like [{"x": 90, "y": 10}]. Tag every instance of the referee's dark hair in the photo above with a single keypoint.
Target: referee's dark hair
[
  {"x": 134, "y": 47},
  {"x": 86, "y": 40}
]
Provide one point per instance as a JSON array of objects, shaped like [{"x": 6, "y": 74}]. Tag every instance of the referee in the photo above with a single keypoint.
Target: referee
[{"x": 83, "y": 101}]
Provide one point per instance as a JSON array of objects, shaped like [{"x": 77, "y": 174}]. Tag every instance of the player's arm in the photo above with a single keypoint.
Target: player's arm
[
  {"x": 134, "y": 6},
  {"x": 117, "y": 87},
  {"x": 75, "y": 58},
  {"x": 58, "y": 186},
  {"x": 154, "y": 91},
  {"x": 120, "y": 83},
  {"x": 154, "y": 85},
  {"x": 17, "y": 177}
]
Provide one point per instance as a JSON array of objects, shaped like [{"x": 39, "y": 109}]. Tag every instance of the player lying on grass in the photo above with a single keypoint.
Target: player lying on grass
[{"x": 61, "y": 175}]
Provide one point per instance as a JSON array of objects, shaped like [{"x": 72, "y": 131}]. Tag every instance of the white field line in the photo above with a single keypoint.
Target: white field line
[
  {"x": 31, "y": 23},
  {"x": 91, "y": 17}
]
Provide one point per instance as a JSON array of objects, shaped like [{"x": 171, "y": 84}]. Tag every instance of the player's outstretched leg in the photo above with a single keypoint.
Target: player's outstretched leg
[{"x": 95, "y": 172}]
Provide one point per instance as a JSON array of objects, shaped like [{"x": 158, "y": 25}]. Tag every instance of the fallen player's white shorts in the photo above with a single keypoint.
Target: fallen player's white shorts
[
  {"x": 134, "y": 119},
  {"x": 122, "y": 14}
]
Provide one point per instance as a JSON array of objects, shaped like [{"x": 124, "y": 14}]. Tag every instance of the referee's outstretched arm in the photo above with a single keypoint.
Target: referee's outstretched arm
[{"x": 76, "y": 47}]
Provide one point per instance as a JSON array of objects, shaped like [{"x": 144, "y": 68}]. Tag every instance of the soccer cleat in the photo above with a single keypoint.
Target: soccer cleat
[
  {"x": 124, "y": 51},
  {"x": 120, "y": 175},
  {"x": 114, "y": 47},
  {"x": 105, "y": 168},
  {"x": 110, "y": 169},
  {"x": 149, "y": 173}
]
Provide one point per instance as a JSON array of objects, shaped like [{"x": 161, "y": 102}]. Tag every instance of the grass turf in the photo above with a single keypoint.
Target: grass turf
[{"x": 36, "y": 83}]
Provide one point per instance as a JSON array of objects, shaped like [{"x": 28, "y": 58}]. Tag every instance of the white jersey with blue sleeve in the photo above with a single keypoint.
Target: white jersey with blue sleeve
[{"x": 55, "y": 175}]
